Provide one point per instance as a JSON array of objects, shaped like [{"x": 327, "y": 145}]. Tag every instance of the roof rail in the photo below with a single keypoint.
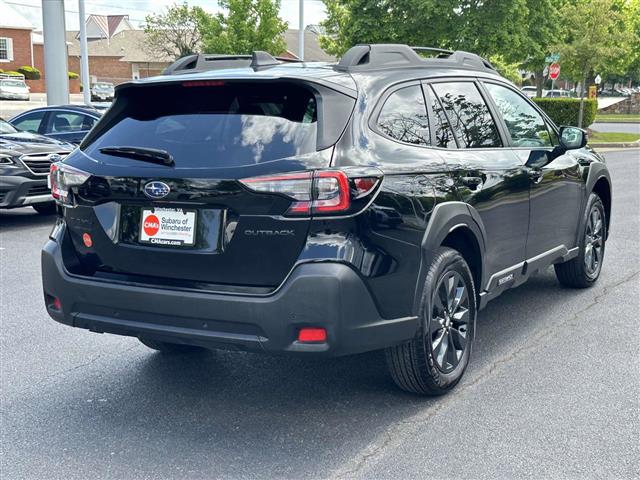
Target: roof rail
[
  {"x": 384, "y": 56},
  {"x": 200, "y": 62}
]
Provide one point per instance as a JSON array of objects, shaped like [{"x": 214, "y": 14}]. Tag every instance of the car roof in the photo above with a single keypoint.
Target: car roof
[{"x": 88, "y": 109}]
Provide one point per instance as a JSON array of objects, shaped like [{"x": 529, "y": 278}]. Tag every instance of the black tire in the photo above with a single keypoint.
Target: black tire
[
  {"x": 584, "y": 270},
  {"x": 420, "y": 365},
  {"x": 45, "y": 208},
  {"x": 170, "y": 348}
]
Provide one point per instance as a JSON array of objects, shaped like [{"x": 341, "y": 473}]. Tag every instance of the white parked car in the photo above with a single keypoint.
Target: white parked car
[
  {"x": 558, "y": 94},
  {"x": 13, "y": 88},
  {"x": 530, "y": 91},
  {"x": 102, "y": 91}
]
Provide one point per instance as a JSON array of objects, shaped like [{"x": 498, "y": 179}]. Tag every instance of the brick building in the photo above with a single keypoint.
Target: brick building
[{"x": 15, "y": 39}]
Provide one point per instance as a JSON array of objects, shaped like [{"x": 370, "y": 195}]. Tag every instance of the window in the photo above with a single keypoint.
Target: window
[
  {"x": 70, "y": 122},
  {"x": 468, "y": 115},
  {"x": 404, "y": 116},
  {"x": 526, "y": 126},
  {"x": 6, "y": 49},
  {"x": 443, "y": 135},
  {"x": 224, "y": 125},
  {"x": 29, "y": 122}
]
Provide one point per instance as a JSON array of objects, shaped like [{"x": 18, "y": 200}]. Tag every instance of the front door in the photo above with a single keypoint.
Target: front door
[{"x": 557, "y": 189}]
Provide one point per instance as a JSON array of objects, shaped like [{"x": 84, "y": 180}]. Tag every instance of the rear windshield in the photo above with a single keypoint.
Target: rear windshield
[{"x": 219, "y": 125}]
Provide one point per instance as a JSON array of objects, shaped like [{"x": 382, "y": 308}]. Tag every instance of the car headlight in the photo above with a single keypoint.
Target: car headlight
[{"x": 6, "y": 160}]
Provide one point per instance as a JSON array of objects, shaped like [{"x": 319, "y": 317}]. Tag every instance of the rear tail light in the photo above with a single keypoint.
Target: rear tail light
[
  {"x": 61, "y": 178},
  {"x": 325, "y": 192}
]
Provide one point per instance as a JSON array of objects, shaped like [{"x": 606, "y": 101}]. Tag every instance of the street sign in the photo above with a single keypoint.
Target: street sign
[
  {"x": 545, "y": 72},
  {"x": 598, "y": 79},
  {"x": 553, "y": 58},
  {"x": 593, "y": 91},
  {"x": 554, "y": 71}
]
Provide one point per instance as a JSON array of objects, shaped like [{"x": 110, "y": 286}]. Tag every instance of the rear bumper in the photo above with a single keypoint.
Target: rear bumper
[
  {"x": 329, "y": 295},
  {"x": 18, "y": 191}
]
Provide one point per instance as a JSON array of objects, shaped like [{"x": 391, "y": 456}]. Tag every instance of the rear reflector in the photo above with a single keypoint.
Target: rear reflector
[
  {"x": 312, "y": 335},
  {"x": 86, "y": 239},
  {"x": 56, "y": 305}
]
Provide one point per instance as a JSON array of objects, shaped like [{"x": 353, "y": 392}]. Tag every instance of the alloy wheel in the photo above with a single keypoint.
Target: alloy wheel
[
  {"x": 449, "y": 321},
  {"x": 594, "y": 242}
]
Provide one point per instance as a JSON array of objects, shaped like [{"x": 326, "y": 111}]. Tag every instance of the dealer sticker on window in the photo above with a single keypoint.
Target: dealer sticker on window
[{"x": 168, "y": 226}]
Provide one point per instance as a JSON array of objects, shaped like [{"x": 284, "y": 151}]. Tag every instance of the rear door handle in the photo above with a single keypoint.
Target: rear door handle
[
  {"x": 474, "y": 183},
  {"x": 536, "y": 175}
]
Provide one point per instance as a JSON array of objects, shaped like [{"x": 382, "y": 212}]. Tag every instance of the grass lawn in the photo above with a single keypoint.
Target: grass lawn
[
  {"x": 617, "y": 117},
  {"x": 603, "y": 137}
]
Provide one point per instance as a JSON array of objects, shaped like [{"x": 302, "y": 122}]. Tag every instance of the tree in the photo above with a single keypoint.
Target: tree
[
  {"x": 176, "y": 32},
  {"x": 594, "y": 38},
  {"x": 488, "y": 27},
  {"x": 248, "y": 25},
  {"x": 544, "y": 28}
]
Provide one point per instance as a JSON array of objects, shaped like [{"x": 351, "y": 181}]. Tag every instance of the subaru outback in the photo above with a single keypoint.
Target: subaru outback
[{"x": 251, "y": 203}]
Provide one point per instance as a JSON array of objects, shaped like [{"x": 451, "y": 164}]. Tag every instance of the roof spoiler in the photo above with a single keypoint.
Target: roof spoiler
[
  {"x": 380, "y": 56},
  {"x": 202, "y": 62}
]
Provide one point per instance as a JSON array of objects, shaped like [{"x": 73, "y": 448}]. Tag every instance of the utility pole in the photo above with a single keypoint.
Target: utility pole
[
  {"x": 55, "y": 52},
  {"x": 84, "y": 56},
  {"x": 301, "y": 32}
]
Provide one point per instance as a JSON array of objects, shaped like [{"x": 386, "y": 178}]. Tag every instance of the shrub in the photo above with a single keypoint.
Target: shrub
[
  {"x": 565, "y": 111},
  {"x": 12, "y": 73},
  {"x": 30, "y": 73},
  {"x": 73, "y": 75}
]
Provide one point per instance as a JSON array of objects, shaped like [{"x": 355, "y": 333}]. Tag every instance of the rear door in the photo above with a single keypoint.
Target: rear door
[
  {"x": 487, "y": 175},
  {"x": 195, "y": 222},
  {"x": 556, "y": 185}
]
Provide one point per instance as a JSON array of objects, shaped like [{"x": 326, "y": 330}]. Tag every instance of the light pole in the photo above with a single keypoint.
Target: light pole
[
  {"x": 301, "y": 32},
  {"x": 55, "y": 52},
  {"x": 84, "y": 56}
]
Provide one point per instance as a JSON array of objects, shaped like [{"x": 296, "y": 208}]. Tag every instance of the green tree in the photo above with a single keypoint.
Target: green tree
[
  {"x": 488, "y": 27},
  {"x": 175, "y": 32},
  {"x": 247, "y": 26},
  {"x": 544, "y": 29},
  {"x": 594, "y": 38}
]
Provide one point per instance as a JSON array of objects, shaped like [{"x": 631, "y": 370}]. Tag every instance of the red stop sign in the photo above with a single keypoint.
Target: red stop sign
[
  {"x": 554, "y": 71},
  {"x": 151, "y": 225}
]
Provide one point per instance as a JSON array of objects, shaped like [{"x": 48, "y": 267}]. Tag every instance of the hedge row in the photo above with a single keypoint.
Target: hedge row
[
  {"x": 30, "y": 73},
  {"x": 565, "y": 111}
]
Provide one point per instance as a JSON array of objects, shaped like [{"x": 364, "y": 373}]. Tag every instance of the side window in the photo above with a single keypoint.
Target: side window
[
  {"x": 468, "y": 115},
  {"x": 526, "y": 126},
  {"x": 67, "y": 122},
  {"x": 29, "y": 122},
  {"x": 443, "y": 135},
  {"x": 404, "y": 116}
]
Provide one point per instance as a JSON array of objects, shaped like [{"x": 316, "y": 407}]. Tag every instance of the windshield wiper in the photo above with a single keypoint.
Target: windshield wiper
[{"x": 152, "y": 155}]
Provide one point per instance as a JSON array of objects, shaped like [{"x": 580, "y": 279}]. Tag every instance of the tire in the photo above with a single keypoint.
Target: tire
[
  {"x": 584, "y": 270},
  {"x": 170, "y": 348},
  {"x": 421, "y": 365},
  {"x": 45, "y": 208}
]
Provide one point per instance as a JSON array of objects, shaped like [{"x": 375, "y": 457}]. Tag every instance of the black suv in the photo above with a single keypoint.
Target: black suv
[
  {"x": 25, "y": 160},
  {"x": 377, "y": 203}
]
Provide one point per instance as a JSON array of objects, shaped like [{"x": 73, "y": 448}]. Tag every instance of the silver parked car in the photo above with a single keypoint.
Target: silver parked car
[
  {"x": 102, "y": 91},
  {"x": 13, "y": 88}
]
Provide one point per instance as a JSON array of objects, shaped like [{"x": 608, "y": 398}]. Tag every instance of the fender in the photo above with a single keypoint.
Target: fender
[
  {"x": 445, "y": 218},
  {"x": 596, "y": 171}
]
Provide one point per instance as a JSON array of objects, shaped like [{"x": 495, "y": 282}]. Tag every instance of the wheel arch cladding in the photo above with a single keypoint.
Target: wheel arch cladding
[
  {"x": 453, "y": 225},
  {"x": 603, "y": 188}
]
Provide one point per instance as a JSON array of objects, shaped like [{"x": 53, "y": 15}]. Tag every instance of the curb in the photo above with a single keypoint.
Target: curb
[{"x": 615, "y": 144}]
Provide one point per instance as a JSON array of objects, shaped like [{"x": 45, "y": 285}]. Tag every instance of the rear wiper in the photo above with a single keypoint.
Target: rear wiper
[{"x": 152, "y": 155}]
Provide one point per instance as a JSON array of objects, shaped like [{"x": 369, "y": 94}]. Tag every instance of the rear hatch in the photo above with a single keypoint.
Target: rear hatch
[{"x": 164, "y": 202}]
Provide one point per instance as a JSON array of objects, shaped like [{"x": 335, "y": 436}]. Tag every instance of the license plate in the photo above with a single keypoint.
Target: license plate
[{"x": 168, "y": 226}]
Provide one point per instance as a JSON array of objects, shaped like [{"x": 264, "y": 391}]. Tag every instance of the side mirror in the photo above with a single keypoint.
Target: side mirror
[{"x": 572, "y": 138}]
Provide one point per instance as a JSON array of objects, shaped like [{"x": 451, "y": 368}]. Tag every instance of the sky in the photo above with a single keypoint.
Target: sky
[{"x": 137, "y": 9}]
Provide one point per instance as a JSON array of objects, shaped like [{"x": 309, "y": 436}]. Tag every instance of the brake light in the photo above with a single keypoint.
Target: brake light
[
  {"x": 331, "y": 192},
  {"x": 203, "y": 83},
  {"x": 61, "y": 178}
]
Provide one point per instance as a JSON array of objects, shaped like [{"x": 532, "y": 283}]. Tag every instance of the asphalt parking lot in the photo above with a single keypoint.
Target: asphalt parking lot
[{"x": 552, "y": 390}]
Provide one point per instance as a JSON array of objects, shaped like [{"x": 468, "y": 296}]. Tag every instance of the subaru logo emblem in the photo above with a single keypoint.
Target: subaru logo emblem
[
  {"x": 156, "y": 190},
  {"x": 54, "y": 157}
]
